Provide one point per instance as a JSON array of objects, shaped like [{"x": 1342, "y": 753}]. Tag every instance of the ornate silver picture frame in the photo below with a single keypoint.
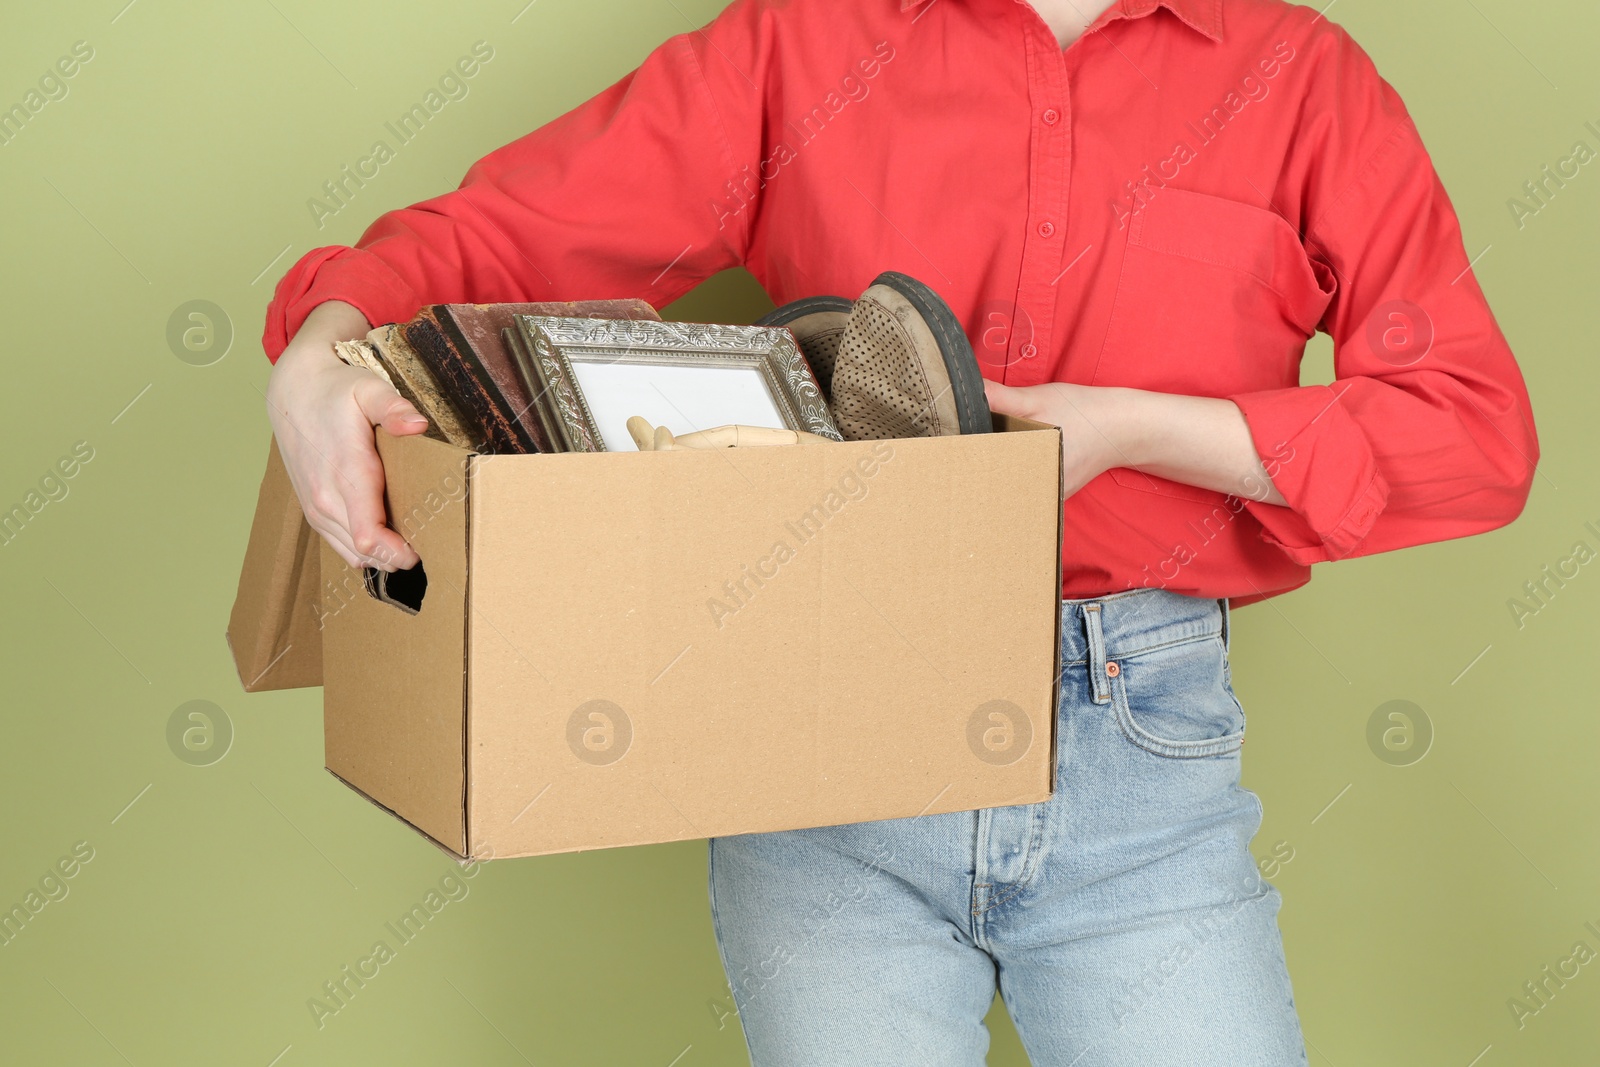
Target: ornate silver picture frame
[{"x": 590, "y": 375}]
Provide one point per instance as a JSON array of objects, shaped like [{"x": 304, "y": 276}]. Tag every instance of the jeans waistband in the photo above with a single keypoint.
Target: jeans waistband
[{"x": 1125, "y": 624}]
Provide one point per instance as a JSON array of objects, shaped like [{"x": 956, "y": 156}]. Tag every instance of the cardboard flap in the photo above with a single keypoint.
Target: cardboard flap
[
  {"x": 393, "y": 706},
  {"x": 273, "y": 631}
]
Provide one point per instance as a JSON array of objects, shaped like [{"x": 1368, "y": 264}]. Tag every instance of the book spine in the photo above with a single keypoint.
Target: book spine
[
  {"x": 460, "y": 384},
  {"x": 510, "y": 411}
]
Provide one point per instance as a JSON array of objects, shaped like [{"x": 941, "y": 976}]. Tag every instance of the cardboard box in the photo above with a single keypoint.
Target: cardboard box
[
  {"x": 625, "y": 648},
  {"x": 273, "y": 631}
]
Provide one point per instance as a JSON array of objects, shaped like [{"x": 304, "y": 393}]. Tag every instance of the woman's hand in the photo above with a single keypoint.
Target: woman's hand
[
  {"x": 1197, "y": 440},
  {"x": 1092, "y": 424},
  {"x": 322, "y": 413}
]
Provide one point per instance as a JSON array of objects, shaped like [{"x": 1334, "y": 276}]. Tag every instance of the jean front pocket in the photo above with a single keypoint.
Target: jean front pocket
[{"x": 1175, "y": 701}]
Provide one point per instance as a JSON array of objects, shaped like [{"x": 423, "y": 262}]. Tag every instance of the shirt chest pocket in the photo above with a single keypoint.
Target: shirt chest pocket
[{"x": 1215, "y": 297}]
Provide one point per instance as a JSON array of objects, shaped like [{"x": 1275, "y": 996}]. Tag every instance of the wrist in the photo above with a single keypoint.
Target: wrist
[
  {"x": 334, "y": 320},
  {"x": 329, "y": 321},
  {"x": 1129, "y": 422},
  {"x": 311, "y": 347}
]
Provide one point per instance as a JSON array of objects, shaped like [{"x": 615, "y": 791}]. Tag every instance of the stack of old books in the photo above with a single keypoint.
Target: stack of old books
[{"x": 465, "y": 370}]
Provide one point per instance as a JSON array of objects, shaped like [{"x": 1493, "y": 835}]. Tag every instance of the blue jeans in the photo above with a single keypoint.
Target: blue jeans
[{"x": 1123, "y": 921}]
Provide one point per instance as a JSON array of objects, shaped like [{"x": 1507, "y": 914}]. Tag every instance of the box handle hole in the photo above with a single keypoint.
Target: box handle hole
[{"x": 402, "y": 589}]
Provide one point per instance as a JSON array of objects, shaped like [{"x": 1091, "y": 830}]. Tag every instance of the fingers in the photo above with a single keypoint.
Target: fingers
[
  {"x": 346, "y": 508},
  {"x": 324, "y": 472},
  {"x": 334, "y": 467},
  {"x": 351, "y": 502},
  {"x": 643, "y": 434},
  {"x": 361, "y": 488},
  {"x": 1053, "y": 403},
  {"x": 1007, "y": 400},
  {"x": 381, "y": 406},
  {"x": 370, "y": 535},
  {"x": 319, "y": 511},
  {"x": 337, "y": 539}
]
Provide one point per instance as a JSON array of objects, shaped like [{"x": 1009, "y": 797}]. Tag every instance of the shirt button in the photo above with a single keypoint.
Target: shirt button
[
  {"x": 1028, "y": 351},
  {"x": 1050, "y": 116},
  {"x": 1047, "y": 229}
]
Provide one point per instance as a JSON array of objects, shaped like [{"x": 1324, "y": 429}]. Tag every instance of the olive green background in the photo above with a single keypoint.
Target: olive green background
[{"x": 1419, "y": 897}]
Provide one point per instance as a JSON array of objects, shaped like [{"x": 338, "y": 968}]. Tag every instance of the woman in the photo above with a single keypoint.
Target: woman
[{"x": 1140, "y": 211}]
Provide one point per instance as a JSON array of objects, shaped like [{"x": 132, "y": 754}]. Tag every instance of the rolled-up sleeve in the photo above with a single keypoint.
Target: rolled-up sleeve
[
  {"x": 627, "y": 195},
  {"x": 1427, "y": 432}
]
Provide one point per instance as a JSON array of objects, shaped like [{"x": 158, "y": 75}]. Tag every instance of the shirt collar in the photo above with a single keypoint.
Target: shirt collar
[{"x": 1202, "y": 15}]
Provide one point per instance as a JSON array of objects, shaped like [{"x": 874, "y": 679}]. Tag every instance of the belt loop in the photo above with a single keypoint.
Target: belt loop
[
  {"x": 1227, "y": 647},
  {"x": 1097, "y": 654}
]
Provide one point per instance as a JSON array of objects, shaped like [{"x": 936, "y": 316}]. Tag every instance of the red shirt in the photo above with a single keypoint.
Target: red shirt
[{"x": 1176, "y": 201}]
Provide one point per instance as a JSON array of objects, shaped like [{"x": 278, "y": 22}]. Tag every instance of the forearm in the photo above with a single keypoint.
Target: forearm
[
  {"x": 310, "y": 352},
  {"x": 1196, "y": 440},
  {"x": 330, "y": 321}
]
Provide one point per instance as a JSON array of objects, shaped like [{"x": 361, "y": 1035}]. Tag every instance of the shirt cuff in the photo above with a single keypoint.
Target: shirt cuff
[
  {"x": 1321, "y": 462},
  {"x": 336, "y": 272}
]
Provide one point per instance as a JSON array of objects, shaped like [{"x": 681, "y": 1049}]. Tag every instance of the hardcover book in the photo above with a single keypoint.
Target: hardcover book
[
  {"x": 452, "y": 362},
  {"x": 462, "y": 343},
  {"x": 384, "y": 351}
]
